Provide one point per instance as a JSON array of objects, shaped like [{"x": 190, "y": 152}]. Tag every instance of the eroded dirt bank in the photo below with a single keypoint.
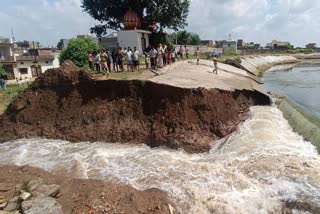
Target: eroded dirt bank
[
  {"x": 57, "y": 194},
  {"x": 67, "y": 103}
]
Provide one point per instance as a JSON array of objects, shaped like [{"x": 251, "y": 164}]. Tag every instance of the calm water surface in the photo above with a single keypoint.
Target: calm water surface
[{"x": 301, "y": 83}]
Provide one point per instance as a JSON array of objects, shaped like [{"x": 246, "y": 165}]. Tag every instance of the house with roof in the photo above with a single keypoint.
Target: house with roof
[
  {"x": 229, "y": 46},
  {"x": 36, "y": 62},
  {"x": 22, "y": 64},
  {"x": 7, "y": 57}
]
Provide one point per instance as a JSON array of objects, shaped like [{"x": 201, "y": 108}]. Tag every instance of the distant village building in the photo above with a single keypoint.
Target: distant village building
[
  {"x": 65, "y": 42},
  {"x": 6, "y": 57},
  {"x": 21, "y": 64},
  {"x": 131, "y": 36},
  {"x": 240, "y": 43},
  {"x": 311, "y": 46},
  {"x": 229, "y": 46},
  {"x": 36, "y": 62},
  {"x": 278, "y": 44}
]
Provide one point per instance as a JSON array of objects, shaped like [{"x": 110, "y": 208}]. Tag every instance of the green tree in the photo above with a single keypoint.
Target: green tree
[
  {"x": 3, "y": 73},
  {"x": 183, "y": 37},
  {"x": 159, "y": 38},
  {"x": 77, "y": 51},
  {"x": 219, "y": 44},
  {"x": 170, "y": 14},
  {"x": 194, "y": 39},
  {"x": 188, "y": 38},
  {"x": 60, "y": 44}
]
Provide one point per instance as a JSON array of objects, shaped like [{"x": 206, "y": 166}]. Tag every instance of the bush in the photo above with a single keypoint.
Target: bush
[
  {"x": 301, "y": 50},
  {"x": 3, "y": 73},
  {"x": 77, "y": 51}
]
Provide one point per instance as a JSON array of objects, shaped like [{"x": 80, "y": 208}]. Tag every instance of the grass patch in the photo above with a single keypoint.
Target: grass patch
[
  {"x": 301, "y": 51},
  {"x": 6, "y": 97}
]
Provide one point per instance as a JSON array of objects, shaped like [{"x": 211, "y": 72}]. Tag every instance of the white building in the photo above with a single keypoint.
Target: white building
[
  {"x": 29, "y": 67},
  {"x": 127, "y": 38},
  {"x": 134, "y": 38}
]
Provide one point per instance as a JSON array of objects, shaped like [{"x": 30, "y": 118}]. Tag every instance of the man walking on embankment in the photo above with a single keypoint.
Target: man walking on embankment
[{"x": 215, "y": 62}]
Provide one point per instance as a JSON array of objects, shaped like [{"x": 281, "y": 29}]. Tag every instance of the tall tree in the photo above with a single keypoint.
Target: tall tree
[
  {"x": 194, "y": 39},
  {"x": 60, "y": 44},
  {"x": 77, "y": 51},
  {"x": 183, "y": 37},
  {"x": 188, "y": 38},
  {"x": 165, "y": 13}
]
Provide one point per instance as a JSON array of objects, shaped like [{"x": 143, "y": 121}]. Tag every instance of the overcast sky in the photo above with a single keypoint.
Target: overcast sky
[{"x": 260, "y": 21}]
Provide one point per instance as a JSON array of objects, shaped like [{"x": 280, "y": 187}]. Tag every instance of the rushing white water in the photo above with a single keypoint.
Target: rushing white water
[{"x": 256, "y": 170}]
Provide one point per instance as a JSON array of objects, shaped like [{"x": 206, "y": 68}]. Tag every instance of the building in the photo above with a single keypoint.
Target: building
[
  {"x": 21, "y": 64},
  {"x": 229, "y": 46},
  {"x": 240, "y": 44},
  {"x": 7, "y": 58},
  {"x": 110, "y": 41},
  {"x": 311, "y": 46},
  {"x": 131, "y": 36},
  {"x": 36, "y": 62},
  {"x": 278, "y": 44},
  {"x": 134, "y": 38}
]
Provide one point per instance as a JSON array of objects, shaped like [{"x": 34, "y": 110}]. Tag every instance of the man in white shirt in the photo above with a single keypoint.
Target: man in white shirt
[
  {"x": 129, "y": 56},
  {"x": 136, "y": 56}
]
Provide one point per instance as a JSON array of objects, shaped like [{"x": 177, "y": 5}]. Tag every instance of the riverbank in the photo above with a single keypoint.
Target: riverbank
[{"x": 301, "y": 121}]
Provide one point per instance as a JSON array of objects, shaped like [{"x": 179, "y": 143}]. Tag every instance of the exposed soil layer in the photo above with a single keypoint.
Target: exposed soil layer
[
  {"x": 68, "y": 103},
  {"x": 87, "y": 196}
]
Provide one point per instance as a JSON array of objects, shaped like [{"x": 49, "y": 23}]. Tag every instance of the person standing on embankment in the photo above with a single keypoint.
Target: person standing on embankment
[
  {"x": 215, "y": 62},
  {"x": 3, "y": 84},
  {"x": 104, "y": 58},
  {"x": 198, "y": 55}
]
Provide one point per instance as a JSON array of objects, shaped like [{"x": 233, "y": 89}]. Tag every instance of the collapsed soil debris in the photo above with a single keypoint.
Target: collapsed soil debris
[{"x": 74, "y": 195}]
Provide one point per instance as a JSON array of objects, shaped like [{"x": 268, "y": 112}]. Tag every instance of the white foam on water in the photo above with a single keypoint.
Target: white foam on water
[{"x": 255, "y": 170}]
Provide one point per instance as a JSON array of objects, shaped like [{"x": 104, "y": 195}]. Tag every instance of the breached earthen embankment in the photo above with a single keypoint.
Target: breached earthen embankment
[{"x": 68, "y": 103}]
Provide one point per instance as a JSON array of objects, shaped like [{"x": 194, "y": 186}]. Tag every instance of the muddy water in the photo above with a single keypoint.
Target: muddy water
[{"x": 259, "y": 169}]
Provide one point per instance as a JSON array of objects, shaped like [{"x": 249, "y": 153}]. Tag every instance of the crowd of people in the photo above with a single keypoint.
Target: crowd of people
[
  {"x": 119, "y": 60},
  {"x": 106, "y": 61}
]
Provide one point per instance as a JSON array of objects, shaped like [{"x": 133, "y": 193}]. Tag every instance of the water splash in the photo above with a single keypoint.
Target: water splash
[{"x": 258, "y": 169}]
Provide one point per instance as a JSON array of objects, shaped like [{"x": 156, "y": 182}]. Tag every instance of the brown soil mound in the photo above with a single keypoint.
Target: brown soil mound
[
  {"x": 67, "y": 103},
  {"x": 87, "y": 196}
]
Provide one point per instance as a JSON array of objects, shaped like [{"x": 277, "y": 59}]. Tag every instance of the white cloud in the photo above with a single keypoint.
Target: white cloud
[
  {"x": 257, "y": 20},
  {"x": 44, "y": 20}
]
